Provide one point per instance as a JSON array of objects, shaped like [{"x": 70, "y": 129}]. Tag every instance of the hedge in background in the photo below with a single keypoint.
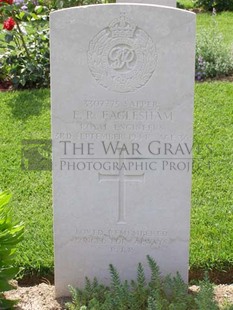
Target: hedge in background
[{"x": 218, "y": 5}]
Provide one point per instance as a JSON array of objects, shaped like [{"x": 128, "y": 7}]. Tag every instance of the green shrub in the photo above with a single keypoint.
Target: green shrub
[
  {"x": 60, "y": 4},
  {"x": 29, "y": 71},
  {"x": 213, "y": 57},
  {"x": 25, "y": 58},
  {"x": 202, "y": 300},
  {"x": 169, "y": 293},
  {"x": 219, "y": 5},
  {"x": 185, "y": 4},
  {"x": 10, "y": 235}
]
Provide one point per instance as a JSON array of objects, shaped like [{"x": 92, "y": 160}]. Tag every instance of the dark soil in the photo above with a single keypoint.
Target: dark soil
[{"x": 5, "y": 86}]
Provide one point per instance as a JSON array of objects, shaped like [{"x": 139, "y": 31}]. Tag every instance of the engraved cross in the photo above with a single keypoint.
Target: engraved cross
[{"x": 121, "y": 178}]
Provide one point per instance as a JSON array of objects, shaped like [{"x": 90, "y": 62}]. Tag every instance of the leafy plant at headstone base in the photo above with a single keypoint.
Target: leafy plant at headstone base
[
  {"x": 169, "y": 293},
  {"x": 218, "y": 5},
  {"x": 213, "y": 57},
  {"x": 25, "y": 44},
  {"x": 11, "y": 233}
]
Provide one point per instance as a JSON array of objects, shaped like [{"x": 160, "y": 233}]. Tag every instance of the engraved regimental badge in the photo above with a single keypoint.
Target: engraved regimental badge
[{"x": 122, "y": 57}]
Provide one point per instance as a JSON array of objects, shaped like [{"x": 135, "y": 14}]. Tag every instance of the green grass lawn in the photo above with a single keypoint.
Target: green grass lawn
[
  {"x": 222, "y": 21},
  {"x": 212, "y": 209},
  {"x": 26, "y": 115}
]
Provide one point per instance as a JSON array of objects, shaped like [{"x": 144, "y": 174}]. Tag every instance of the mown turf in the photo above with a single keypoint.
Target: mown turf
[
  {"x": 26, "y": 115},
  {"x": 212, "y": 209}
]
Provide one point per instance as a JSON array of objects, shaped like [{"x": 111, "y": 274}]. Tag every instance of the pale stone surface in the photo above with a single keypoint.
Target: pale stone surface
[
  {"x": 122, "y": 77},
  {"x": 171, "y": 3}
]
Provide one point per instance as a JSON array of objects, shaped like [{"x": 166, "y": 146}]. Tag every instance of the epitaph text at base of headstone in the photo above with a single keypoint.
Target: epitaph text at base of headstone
[{"x": 122, "y": 119}]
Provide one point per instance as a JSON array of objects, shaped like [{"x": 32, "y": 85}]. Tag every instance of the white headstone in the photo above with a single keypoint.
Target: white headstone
[
  {"x": 122, "y": 104},
  {"x": 171, "y": 3}
]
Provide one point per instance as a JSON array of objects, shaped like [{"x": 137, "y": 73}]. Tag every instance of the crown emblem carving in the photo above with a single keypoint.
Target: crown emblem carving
[
  {"x": 122, "y": 27},
  {"x": 122, "y": 57}
]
